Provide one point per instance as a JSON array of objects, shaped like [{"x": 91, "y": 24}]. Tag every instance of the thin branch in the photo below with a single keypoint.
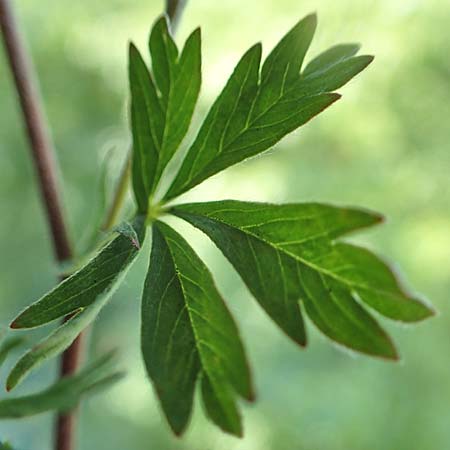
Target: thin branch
[
  {"x": 119, "y": 195},
  {"x": 37, "y": 130},
  {"x": 43, "y": 155},
  {"x": 174, "y": 9}
]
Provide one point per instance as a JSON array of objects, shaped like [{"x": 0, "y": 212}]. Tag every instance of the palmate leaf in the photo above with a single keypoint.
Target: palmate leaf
[
  {"x": 259, "y": 107},
  {"x": 288, "y": 253},
  {"x": 66, "y": 393},
  {"x": 290, "y": 256},
  {"x": 162, "y": 104},
  {"x": 187, "y": 329}
]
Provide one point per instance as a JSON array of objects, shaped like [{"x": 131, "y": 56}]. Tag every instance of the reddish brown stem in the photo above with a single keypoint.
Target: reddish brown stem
[
  {"x": 43, "y": 155},
  {"x": 36, "y": 127}
]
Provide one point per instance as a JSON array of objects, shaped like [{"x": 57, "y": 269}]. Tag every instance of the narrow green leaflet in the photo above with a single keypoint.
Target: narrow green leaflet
[
  {"x": 55, "y": 343},
  {"x": 65, "y": 394},
  {"x": 8, "y": 345},
  {"x": 83, "y": 295},
  {"x": 259, "y": 107},
  {"x": 285, "y": 253},
  {"x": 162, "y": 104},
  {"x": 94, "y": 282},
  {"x": 329, "y": 58},
  {"x": 187, "y": 329}
]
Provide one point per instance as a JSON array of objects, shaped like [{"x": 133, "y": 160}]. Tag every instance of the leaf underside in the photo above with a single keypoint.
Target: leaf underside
[
  {"x": 187, "y": 330},
  {"x": 82, "y": 295},
  {"x": 98, "y": 278},
  {"x": 65, "y": 394}
]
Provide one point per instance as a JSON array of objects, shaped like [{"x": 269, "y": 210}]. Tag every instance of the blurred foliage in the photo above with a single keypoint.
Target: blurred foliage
[{"x": 385, "y": 145}]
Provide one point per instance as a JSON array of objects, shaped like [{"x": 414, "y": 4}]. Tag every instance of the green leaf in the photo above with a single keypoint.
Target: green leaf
[
  {"x": 95, "y": 282},
  {"x": 258, "y": 108},
  {"x": 10, "y": 344},
  {"x": 65, "y": 394},
  {"x": 220, "y": 406},
  {"x": 285, "y": 253},
  {"x": 55, "y": 343},
  {"x": 330, "y": 57},
  {"x": 187, "y": 329},
  {"x": 162, "y": 105}
]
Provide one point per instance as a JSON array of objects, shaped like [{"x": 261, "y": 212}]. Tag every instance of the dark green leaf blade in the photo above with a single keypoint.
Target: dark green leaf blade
[
  {"x": 55, "y": 343},
  {"x": 335, "y": 312},
  {"x": 164, "y": 55},
  {"x": 333, "y": 77},
  {"x": 167, "y": 338},
  {"x": 147, "y": 121},
  {"x": 187, "y": 314},
  {"x": 375, "y": 284},
  {"x": 254, "y": 112},
  {"x": 65, "y": 394},
  {"x": 282, "y": 66},
  {"x": 162, "y": 105},
  {"x": 98, "y": 278},
  {"x": 231, "y": 107},
  {"x": 330, "y": 57},
  {"x": 299, "y": 240},
  {"x": 183, "y": 95},
  {"x": 178, "y": 79},
  {"x": 220, "y": 406}
]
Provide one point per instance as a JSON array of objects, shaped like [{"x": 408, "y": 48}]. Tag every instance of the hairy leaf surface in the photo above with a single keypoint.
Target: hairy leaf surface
[
  {"x": 285, "y": 253},
  {"x": 95, "y": 282},
  {"x": 162, "y": 104},
  {"x": 259, "y": 107},
  {"x": 187, "y": 329}
]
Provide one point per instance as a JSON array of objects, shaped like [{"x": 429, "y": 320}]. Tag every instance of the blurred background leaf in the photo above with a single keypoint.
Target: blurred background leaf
[{"x": 385, "y": 146}]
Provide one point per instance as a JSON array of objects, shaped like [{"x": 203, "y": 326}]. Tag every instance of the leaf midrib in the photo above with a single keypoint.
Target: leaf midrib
[
  {"x": 248, "y": 123},
  {"x": 304, "y": 261}
]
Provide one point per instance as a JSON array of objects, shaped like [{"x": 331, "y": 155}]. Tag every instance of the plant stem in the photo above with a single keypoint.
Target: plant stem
[
  {"x": 43, "y": 154},
  {"x": 119, "y": 195},
  {"x": 40, "y": 143},
  {"x": 174, "y": 9}
]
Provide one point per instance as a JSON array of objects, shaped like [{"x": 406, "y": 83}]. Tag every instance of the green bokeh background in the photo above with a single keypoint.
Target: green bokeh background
[{"x": 385, "y": 145}]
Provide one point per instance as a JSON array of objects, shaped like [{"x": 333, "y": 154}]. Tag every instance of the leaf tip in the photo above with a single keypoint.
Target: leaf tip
[
  {"x": 251, "y": 396},
  {"x": 15, "y": 324},
  {"x": 19, "y": 323},
  {"x": 10, "y": 384},
  {"x": 133, "y": 52}
]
